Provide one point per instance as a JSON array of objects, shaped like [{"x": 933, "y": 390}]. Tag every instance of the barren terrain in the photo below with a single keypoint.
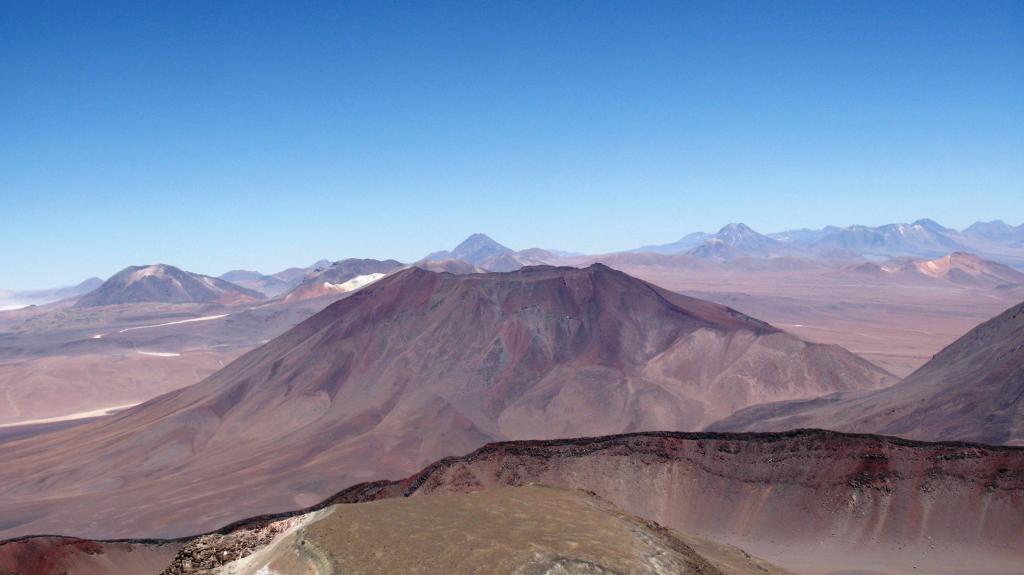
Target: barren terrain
[
  {"x": 58, "y": 361},
  {"x": 896, "y": 323}
]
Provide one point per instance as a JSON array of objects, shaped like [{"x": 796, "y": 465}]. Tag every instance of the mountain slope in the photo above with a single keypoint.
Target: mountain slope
[
  {"x": 475, "y": 249},
  {"x": 341, "y": 277},
  {"x": 269, "y": 286},
  {"x": 995, "y": 231},
  {"x": 685, "y": 243},
  {"x": 922, "y": 238},
  {"x": 738, "y": 240},
  {"x": 411, "y": 368},
  {"x": 294, "y": 276},
  {"x": 973, "y": 390},
  {"x": 165, "y": 284},
  {"x": 732, "y": 241},
  {"x": 487, "y": 254},
  {"x": 958, "y": 267},
  {"x": 811, "y": 501}
]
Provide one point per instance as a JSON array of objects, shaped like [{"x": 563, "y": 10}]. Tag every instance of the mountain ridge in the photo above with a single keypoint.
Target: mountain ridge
[{"x": 165, "y": 284}]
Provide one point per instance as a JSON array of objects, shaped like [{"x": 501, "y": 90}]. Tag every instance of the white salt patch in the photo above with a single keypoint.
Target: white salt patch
[
  {"x": 354, "y": 283},
  {"x": 159, "y": 353},
  {"x": 206, "y": 318},
  {"x": 71, "y": 416}
]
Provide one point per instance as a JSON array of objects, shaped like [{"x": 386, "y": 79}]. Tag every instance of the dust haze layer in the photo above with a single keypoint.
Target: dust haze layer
[{"x": 414, "y": 367}]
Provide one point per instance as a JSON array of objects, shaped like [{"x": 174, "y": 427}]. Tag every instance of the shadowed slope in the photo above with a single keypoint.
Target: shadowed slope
[{"x": 971, "y": 391}]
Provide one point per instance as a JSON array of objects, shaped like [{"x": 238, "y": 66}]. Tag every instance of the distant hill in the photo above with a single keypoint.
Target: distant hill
[
  {"x": 958, "y": 267},
  {"x": 996, "y": 231},
  {"x": 973, "y": 390},
  {"x": 732, "y": 241},
  {"x": 15, "y": 299},
  {"x": 269, "y": 286},
  {"x": 165, "y": 284},
  {"x": 341, "y": 277},
  {"x": 686, "y": 243},
  {"x": 923, "y": 238},
  {"x": 294, "y": 276},
  {"x": 485, "y": 253},
  {"x": 738, "y": 241}
]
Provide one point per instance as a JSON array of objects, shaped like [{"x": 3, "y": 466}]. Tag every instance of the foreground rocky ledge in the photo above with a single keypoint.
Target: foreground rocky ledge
[{"x": 804, "y": 495}]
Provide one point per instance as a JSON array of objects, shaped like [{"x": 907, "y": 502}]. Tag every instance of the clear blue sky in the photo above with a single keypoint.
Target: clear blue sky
[{"x": 218, "y": 135}]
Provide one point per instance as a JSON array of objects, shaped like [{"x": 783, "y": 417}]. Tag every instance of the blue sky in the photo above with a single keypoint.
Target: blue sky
[{"x": 218, "y": 135}]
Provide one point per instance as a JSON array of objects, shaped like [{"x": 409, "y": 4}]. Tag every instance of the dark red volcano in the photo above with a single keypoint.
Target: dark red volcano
[{"x": 414, "y": 367}]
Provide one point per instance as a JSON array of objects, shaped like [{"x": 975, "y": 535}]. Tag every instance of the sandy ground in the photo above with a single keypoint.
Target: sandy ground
[
  {"x": 521, "y": 531},
  {"x": 58, "y": 361},
  {"x": 37, "y": 390}
]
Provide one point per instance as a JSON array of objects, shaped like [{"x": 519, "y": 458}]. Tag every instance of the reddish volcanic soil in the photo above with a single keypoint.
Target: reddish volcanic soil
[
  {"x": 414, "y": 367},
  {"x": 814, "y": 502},
  {"x": 810, "y": 501},
  {"x": 67, "y": 556}
]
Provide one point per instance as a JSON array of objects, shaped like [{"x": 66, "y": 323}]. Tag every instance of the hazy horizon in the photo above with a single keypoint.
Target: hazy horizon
[
  {"x": 214, "y": 137},
  {"x": 417, "y": 257}
]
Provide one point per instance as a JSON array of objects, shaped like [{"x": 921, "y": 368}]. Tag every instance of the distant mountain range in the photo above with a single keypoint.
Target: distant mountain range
[
  {"x": 735, "y": 244},
  {"x": 487, "y": 254},
  {"x": 275, "y": 284},
  {"x": 17, "y": 299},
  {"x": 923, "y": 238},
  {"x": 342, "y": 277},
  {"x": 165, "y": 284},
  {"x": 269, "y": 286},
  {"x": 958, "y": 267}
]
